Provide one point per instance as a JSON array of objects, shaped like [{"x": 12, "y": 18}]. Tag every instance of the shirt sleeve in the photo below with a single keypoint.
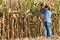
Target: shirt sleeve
[{"x": 49, "y": 14}]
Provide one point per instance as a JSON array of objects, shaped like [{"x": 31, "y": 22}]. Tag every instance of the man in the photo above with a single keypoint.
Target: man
[
  {"x": 41, "y": 17},
  {"x": 47, "y": 21},
  {"x": 41, "y": 10}
]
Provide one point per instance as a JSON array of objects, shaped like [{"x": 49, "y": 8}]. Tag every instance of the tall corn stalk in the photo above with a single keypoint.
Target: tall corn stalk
[
  {"x": 3, "y": 26},
  {"x": 0, "y": 28}
]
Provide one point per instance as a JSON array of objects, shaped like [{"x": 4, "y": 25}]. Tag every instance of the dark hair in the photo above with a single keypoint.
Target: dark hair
[
  {"x": 47, "y": 7},
  {"x": 41, "y": 4}
]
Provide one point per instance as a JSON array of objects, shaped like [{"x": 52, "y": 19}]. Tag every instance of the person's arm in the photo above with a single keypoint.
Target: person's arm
[
  {"x": 49, "y": 15},
  {"x": 41, "y": 14}
]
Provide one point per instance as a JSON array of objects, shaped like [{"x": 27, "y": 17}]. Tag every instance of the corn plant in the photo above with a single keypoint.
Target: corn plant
[{"x": 19, "y": 19}]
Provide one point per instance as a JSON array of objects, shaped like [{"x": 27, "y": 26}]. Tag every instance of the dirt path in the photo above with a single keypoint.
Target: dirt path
[{"x": 36, "y": 38}]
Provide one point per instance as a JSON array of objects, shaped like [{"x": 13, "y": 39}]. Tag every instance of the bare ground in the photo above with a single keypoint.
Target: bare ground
[{"x": 36, "y": 38}]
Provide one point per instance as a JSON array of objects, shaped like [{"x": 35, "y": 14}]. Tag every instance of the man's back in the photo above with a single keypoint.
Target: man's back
[{"x": 47, "y": 16}]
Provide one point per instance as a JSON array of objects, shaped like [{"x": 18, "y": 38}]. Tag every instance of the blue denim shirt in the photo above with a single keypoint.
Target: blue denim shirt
[{"x": 47, "y": 16}]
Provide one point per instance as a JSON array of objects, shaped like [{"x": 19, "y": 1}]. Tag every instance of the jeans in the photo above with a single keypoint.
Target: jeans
[{"x": 47, "y": 31}]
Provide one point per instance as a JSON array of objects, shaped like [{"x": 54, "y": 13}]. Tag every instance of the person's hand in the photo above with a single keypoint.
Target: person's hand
[
  {"x": 51, "y": 21},
  {"x": 41, "y": 17}
]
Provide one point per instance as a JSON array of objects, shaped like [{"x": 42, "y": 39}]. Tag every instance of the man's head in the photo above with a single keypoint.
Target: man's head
[
  {"x": 42, "y": 5},
  {"x": 47, "y": 7}
]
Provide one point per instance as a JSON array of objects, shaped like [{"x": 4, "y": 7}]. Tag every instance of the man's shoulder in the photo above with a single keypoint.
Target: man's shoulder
[
  {"x": 48, "y": 11},
  {"x": 42, "y": 10}
]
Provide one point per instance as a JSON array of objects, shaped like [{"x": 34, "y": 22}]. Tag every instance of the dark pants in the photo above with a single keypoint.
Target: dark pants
[{"x": 47, "y": 31}]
